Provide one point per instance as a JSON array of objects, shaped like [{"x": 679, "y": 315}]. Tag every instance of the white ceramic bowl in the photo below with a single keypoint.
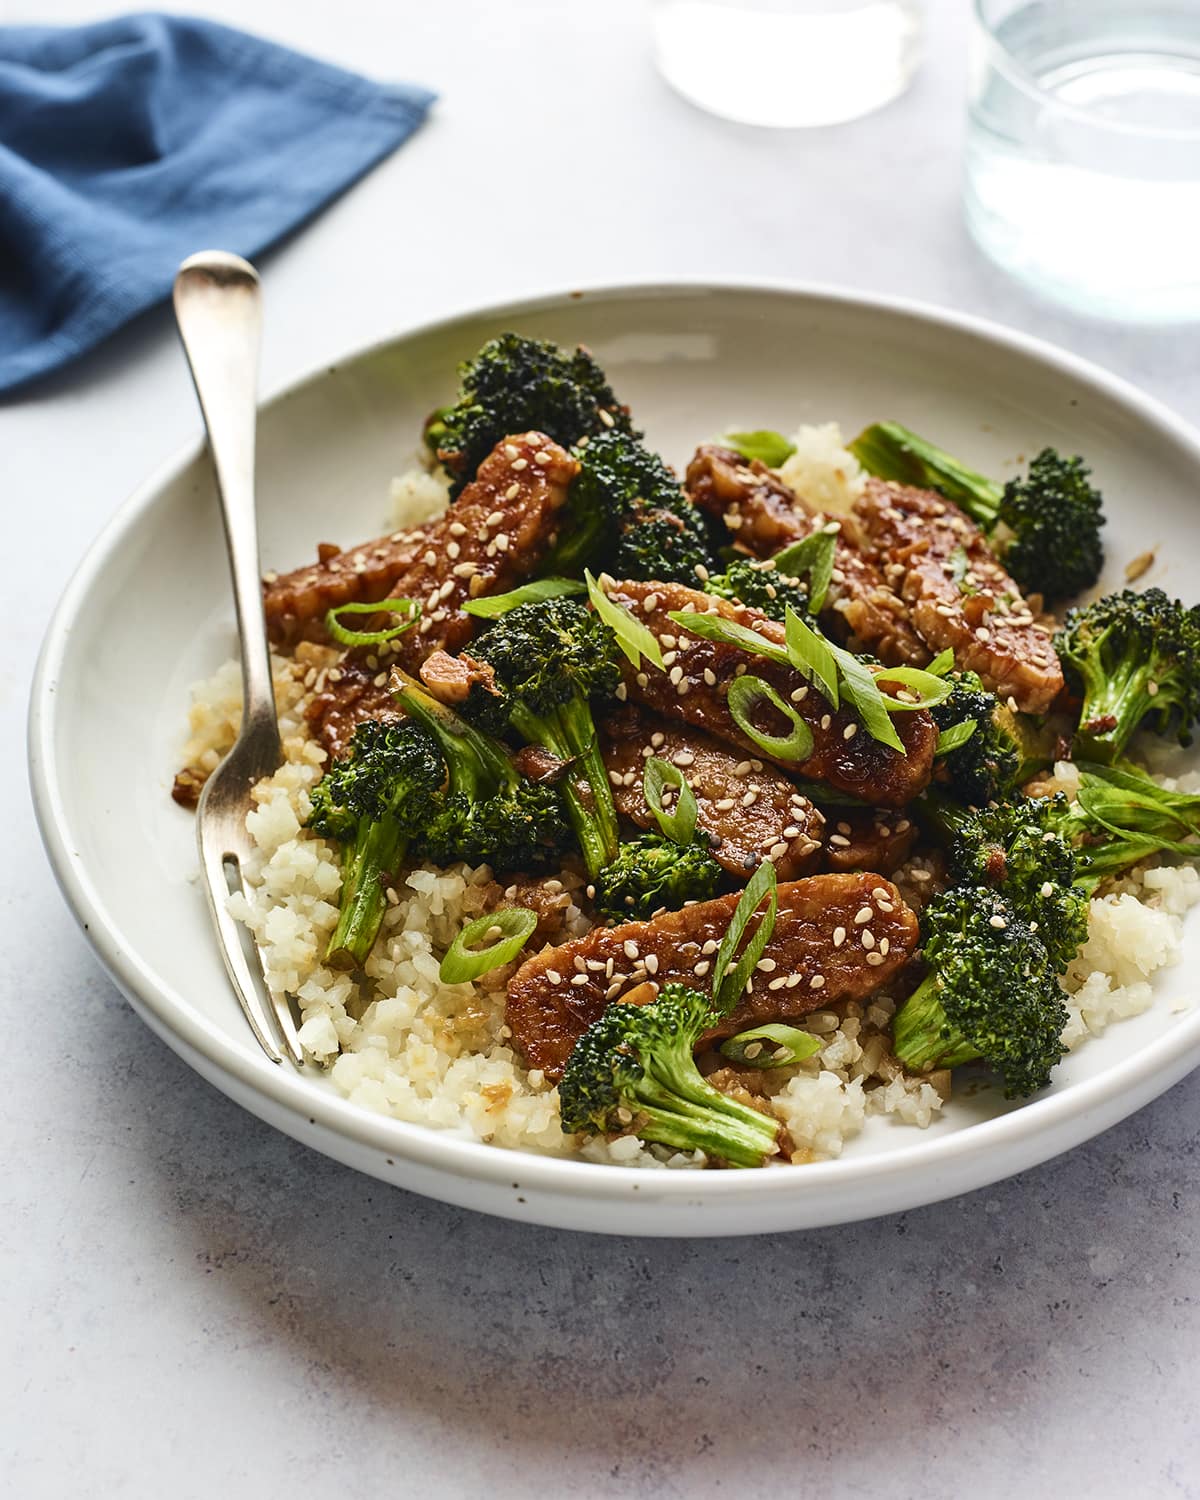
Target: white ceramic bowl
[{"x": 149, "y": 612}]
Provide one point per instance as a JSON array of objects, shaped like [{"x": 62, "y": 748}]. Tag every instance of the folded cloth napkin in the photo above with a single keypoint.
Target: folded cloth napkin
[{"x": 127, "y": 145}]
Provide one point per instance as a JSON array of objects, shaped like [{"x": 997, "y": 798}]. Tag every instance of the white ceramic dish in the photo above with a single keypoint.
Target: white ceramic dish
[{"x": 148, "y": 613}]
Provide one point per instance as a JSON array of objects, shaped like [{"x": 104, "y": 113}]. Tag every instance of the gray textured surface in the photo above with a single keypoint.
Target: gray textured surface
[{"x": 192, "y": 1303}]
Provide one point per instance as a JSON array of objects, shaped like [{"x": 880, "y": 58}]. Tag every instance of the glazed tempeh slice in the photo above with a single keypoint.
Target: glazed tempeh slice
[
  {"x": 867, "y": 838},
  {"x": 958, "y": 594},
  {"x": 749, "y": 810},
  {"x": 836, "y": 937},
  {"x": 694, "y": 687},
  {"x": 492, "y": 538},
  {"x": 762, "y": 516}
]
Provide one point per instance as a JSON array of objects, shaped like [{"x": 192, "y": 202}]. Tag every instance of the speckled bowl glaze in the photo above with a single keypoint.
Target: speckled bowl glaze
[{"x": 149, "y": 612}]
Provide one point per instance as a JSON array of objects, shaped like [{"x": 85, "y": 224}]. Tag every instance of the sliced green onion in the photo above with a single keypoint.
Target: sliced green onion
[
  {"x": 956, "y": 735},
  {"x": 860, "y": 687},
  {"x": 680, "y": 824},
  {"x": 632, "y": 636},
  {"x": 770, "y": 448},
  {"x": 811, "y": 655},
  {"x": 729, "y": 633},
  {"x": 927, "y": 689},
  {"x": 812, "y": 556},
  {"x": 492, "y": 606},
  {"x": 747, "y": 691},
  {"x": 727, "y": 986},
  {"x": 464, "y": 962},
  {"x": 410, "y": 609},
  {"x": 942, "y": 663},
  {"x": 770, "y": 1046}
]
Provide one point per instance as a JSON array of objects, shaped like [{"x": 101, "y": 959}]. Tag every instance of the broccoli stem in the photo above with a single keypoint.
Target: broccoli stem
[
  {"x": 709, "y": 1121},
  {"x": 477, "y": 765},
  {"x": 1113, "y": 707},
  {"x": 366, "y": 867},
  {"x": 923, "y": 1038},
  {"x": 569, "y": 732},
  {"x": 890, "y": 451}
]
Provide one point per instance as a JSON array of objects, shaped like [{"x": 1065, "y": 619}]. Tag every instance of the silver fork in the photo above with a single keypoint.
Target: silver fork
[{"x": 219, "y": 312}]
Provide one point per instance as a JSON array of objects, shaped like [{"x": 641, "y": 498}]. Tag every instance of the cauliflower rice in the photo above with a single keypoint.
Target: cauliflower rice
[{"x": 402, "y": 1043}]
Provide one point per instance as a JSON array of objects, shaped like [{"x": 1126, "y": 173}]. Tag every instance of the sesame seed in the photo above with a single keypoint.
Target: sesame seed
[
  {"x": 675, "y": 675},
  {"x": 863, "y": 914},
  {"x": 579, "y": 979},
  {"x": 752, "y": 1050},
  {"x": 683, "y": 689},
  {"x": 998, "y": 923},
  {"x": 791, "y": 832},
  {"x": 868, "y": 938},
  {"x": 1047, "y": 889},
  {"x": 683, "y": 758},
  {"x": 884, "y": 945},
  {"x": 879, "y": 893},
  {"x": 826, "y": 720},
  {"x": 850, "y": 731},
  {"x": 799, "y": 695},
  {"x": 710, "y": 946},
  {"x": 502, "y": 542},
  {"x": 457, "y": 528},
  {"x": 630, "y": 950},
  {"x": 982, "y": 633},
  {"x": 670, "y": 658},
  {"x": 622, "y": 692},
  {"x": 701, "y": 572},
  {"x": 1152, "y": 689},
  {"x": 767, "y": 965},
  {"x": 839, "y": 840},
  {"x": 778, "y": 851},
  {"x": 749, "y": 799},
  {"x": 519, "y": 464},
  {"x": 710, "y": 677},
  {"x": 701, "y": 969},
  {"x": 817, "y": 982},
  {"x": 874, "y": 959},
  {"x": 839, "y": 936},
  {"x": 778, "y": 984},
  {"x": 452, "y": 550},
  {"x": 657, "y": 739},
  {"x": 650, "y": 603},
  {"x": 512, "y": 491},
  {"x": 742, "y": 768},
  {"x": 430, "y": 558},
  {"x": 642, "y": 680},
  {"x": 605, "y": 417}
]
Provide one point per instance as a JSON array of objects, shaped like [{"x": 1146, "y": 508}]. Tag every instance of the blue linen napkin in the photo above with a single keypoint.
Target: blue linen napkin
[{"x": 129, "y": 144}]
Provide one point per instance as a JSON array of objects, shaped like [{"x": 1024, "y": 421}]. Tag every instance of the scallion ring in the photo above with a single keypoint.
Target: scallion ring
[
  {"x": 925, "y": 689},
  {"x": 464, "y": 962},
  {"x": 747, "y": 691},
  {"x": 771, "y": 1046},
  {"x": 632, "y": 636},
  {"x": 410, "y": 609},
  {"x": 679, "y": 824},
  {"x": 727, "y": 985},
  {"x": 956, "y": 735}
]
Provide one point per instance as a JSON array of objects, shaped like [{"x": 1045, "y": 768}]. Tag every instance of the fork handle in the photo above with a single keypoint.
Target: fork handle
[{"x": 218, "y": 307}]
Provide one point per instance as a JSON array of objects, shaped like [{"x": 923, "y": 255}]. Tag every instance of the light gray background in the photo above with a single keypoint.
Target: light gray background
[{"x": 193, "y": 1304}]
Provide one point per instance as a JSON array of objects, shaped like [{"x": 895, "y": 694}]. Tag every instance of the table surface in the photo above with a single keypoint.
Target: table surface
[{"x": 192, "y": 1302}]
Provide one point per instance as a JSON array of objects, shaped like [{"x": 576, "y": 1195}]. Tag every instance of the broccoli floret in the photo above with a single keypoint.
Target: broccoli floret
[
  {"x": 1135, "y": 661},
  {"x": 373, "y": 802},
  {"x": 760, "y": 586},
  {"x": 633, "y": 1071},
  {"x": 1004, "y": 751},
  {"x": 549, "y": 658},
  {"x": 1045, "y": 527},
  {"x": 1026, "y": 849},
  {"x": 516, "y": 384},
  {"x": 490, "y": 813},
  {"x": 628, "y": 515},
  {"x": 991, "y": 993},
  {"x": 651, "y": 873}
]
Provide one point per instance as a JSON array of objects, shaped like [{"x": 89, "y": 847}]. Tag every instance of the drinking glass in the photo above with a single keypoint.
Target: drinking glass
[
  {"x": 787, "y": 62},
  {"x": 1083, "y": 151}
]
